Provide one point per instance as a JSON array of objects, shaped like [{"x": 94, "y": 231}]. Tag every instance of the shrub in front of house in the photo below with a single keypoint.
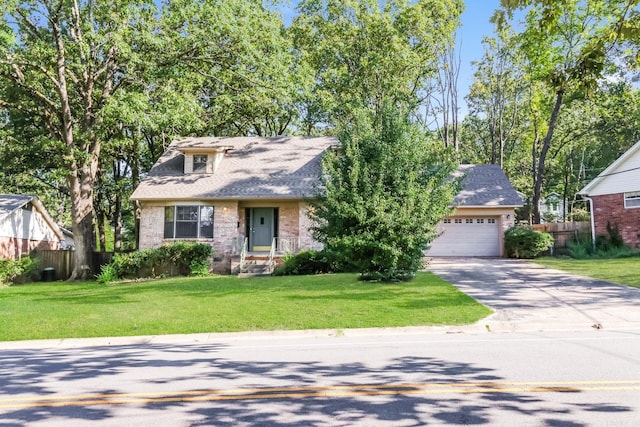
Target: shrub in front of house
[
  {"x": 180, "y": 258},
  {"x": 17, "y": 270},
  {"x": 304, "y": 262},
  {"x": 525, "y": 242}
]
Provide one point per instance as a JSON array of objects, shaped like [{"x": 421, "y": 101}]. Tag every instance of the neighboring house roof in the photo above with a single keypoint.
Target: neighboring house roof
[
  {"x": 485, "y": 186},
  {"x": 253, "y": 167},
  {"x": 621, "y": 176},
  {"x": 9, "y": 203}
]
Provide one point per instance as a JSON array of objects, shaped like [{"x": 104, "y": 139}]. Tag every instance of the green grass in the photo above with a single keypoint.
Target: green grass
[
  {"x": 226, "y": 304},
  {"x": 625, "y": 271}
]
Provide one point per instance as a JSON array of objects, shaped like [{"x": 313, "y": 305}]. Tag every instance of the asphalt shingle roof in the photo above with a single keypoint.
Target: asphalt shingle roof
[
  {"x": 11, "y": 202},
  {"x": 252, "y": 168},
  {"x": 485, "y": 185},
  {"x": 285, "y": 167}
]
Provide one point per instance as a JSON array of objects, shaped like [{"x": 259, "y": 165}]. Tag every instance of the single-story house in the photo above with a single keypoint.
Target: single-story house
[
  {"x": 26, "y": 225},
  {"x": 228, "y": 191},
  {"x": 614, "y": 197},
  {"x": 485, "y": 209}
]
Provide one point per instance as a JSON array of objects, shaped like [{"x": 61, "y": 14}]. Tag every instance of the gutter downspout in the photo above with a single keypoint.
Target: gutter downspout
[{"x": 593, "y": 225}]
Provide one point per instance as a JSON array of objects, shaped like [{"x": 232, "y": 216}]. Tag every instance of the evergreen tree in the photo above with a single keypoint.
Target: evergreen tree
[{"x": 384, "y": 192}]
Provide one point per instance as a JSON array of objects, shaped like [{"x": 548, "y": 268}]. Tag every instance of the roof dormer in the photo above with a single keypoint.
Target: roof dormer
[{"x": 202, "y": 160}]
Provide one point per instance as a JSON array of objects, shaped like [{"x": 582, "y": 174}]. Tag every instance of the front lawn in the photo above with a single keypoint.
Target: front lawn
[
  {"x": 228, "y": 304},
  {"x": 625, "y": 271}
]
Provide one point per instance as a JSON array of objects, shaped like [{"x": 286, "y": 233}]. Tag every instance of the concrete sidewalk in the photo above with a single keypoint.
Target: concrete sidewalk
[{"x": 527, "y": 296}]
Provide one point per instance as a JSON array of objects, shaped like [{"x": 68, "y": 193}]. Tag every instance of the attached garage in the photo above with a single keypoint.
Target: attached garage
[
  {"x": 479, "y": 236},
  {"x": 484, "y": 210}
]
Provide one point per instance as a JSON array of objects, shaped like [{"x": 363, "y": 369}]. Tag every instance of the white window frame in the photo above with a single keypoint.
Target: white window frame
[
  {"x": 201, "y": 166},
  {"x": 632, "y": 200},
  {"x": 199, "y": 222}
]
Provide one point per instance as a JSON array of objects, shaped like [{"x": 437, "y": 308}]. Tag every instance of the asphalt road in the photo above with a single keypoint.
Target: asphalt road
[{"x": 379, "y": 378}]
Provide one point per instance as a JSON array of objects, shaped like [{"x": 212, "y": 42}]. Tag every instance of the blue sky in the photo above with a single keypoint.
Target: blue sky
[{"x": 475, "y": 25}]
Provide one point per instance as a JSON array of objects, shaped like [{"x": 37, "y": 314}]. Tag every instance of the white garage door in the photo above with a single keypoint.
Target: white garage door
[{"x": 478, "y": 236}]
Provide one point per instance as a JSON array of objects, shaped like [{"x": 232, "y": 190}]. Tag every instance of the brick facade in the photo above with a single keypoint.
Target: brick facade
[
  {"x": 229, "y": 228},
  {"x": 14, "y": 248},
  {"x": 610, "y": 208}
]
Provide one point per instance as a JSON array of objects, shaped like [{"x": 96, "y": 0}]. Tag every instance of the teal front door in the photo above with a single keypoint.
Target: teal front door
[{"x": 261, "y": 229}]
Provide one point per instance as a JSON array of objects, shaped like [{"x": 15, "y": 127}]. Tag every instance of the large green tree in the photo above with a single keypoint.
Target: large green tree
[
  {"x": 61, "y": 62},
  {"x": 239, "y": 61},
  {"x": 366, "y": 52},
  {"x": 385, "y": 191},
  {"x": 566, "y": 46}
]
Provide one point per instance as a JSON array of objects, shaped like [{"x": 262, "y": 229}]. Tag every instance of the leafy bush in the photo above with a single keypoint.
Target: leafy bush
[
  {"x": 579, "y": 215},
  {"x": 183, "y": 254},
  {"x": 17, "y": 270},
  {"x": 107, "y": 275},
  {"x": 525, "y": 242},
  {"x": 383, "y": 195},
  {"x": 199, "y": 268},
  {"x": 305, "y": 262},
  {"x": 582, "y": 246},
  {"x": 160, "y": 261}
]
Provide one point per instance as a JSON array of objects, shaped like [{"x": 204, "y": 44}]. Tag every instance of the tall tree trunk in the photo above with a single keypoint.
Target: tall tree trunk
[
  {"x": 117, "y": 210},
  {"x": 546, "y": 143},
  {"x": 81, "y": 187}
]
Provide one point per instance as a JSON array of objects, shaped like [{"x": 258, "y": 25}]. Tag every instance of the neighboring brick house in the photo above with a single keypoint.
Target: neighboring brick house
[
  {"x": 615, "y": 198},
  {"x": 25, "y": 225},
  {"x": 221, "y": 191}
]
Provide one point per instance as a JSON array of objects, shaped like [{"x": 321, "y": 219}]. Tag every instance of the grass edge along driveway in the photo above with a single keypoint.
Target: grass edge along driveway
[
  {"x": 624, "y": 271},
  {"x": 228, "y": 304}
]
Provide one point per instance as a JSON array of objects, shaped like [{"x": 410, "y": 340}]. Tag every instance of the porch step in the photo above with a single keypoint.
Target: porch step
[{"x": 255, "y": 270}]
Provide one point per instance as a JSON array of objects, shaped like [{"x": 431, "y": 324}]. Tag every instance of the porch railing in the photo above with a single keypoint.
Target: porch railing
[
  {"x": 243, "y": 253},
  {"x": 272, "y": 252},
  {"x": 288, "y": 245}
]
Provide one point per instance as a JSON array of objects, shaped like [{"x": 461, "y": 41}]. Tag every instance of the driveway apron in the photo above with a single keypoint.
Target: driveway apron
[{"x": 526, "y": 296}]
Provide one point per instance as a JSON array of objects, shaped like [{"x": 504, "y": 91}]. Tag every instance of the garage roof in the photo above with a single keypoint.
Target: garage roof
[{"x": 485, "y": 185}]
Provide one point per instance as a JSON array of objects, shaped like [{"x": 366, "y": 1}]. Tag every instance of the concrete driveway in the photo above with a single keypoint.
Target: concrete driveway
[{"x": 526, "y": 296}]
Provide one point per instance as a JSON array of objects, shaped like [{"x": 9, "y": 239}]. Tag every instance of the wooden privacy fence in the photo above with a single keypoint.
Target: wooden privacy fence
[
  {"x": 563, "y": 232},
  {"x": 63, "y": 262}
]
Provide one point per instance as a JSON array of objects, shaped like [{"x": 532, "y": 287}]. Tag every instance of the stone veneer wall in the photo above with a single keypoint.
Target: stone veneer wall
[{"x": 610, "y": 208}]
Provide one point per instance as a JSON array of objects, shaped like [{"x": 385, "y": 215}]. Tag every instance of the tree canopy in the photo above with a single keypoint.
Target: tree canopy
[{"x": 385, "y": 191}]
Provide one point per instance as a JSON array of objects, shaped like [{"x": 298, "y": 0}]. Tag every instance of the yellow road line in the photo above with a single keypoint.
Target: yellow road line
[{"x": 317, "y": 391}]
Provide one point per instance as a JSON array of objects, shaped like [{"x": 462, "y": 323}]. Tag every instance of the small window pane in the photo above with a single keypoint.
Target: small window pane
[
  {"x": 169, "y": 212},
  {"x": 186, "y": 221},
  {"x": 206, "y": 222},
  {"x": 632, "y": 200},
  {"x": 200, "y": 163},
  {"x": 469, "y": 221}
]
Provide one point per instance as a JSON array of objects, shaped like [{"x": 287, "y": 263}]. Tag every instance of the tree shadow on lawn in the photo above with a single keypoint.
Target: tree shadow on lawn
[{"x": 169, "y": 368}]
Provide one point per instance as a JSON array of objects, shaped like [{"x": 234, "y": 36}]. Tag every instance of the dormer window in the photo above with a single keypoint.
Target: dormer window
[{"x": 200, "y": 163}]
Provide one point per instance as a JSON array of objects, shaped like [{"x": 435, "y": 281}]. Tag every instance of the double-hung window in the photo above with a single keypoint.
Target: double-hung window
[
  {"x": 632, "y": 200},
  {"x": 200, "y": 163},
  {"x": 188, "y": 222}
]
